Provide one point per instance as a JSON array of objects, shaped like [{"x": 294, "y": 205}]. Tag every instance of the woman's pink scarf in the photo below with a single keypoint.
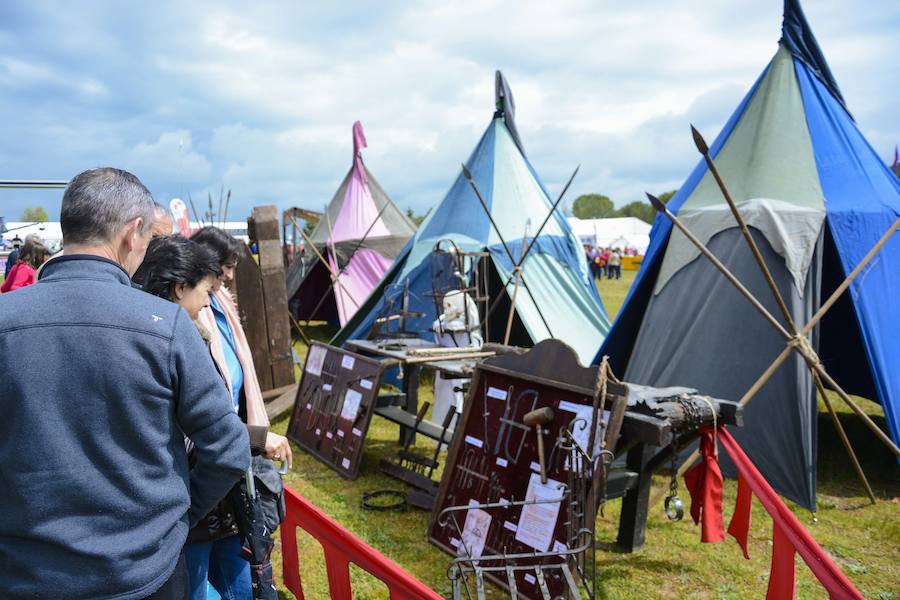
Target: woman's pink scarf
[{"x": 256, "y": 408}]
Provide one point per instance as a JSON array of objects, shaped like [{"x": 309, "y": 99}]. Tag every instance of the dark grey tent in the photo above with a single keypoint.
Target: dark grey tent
[{"x": 817, "y": 198}]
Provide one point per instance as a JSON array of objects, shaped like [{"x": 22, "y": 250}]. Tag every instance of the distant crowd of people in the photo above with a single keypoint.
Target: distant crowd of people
[
  {"x": 132, "y": 404},
  {"x": 606, "y": 263}
]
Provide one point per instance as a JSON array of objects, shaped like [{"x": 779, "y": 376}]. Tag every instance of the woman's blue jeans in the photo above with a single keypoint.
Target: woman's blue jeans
[{"x": 221, "y": 563}]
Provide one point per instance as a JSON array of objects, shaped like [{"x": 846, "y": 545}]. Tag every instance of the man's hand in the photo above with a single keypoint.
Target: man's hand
[{"x": 278, "y": 448}]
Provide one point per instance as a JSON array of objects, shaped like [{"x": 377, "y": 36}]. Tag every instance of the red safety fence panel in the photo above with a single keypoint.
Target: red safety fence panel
[
  {"x": 789, "y": 535},
  {"x": 341, "y": 548}
]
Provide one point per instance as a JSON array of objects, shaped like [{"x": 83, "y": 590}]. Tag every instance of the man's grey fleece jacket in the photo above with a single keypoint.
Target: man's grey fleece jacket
[{"x": 99, "y": 384}]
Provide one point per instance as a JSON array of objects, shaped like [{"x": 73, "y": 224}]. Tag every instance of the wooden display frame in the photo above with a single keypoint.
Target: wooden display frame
[
  {"x": 322, "y": 421},
  {"x": 499, "y": 466}
]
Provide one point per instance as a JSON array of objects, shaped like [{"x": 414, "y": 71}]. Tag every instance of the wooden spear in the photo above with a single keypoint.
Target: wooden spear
[
  {"x": 794, "y": 342},
  {"x": 512, "y": 260},
  {"x": 703, "y": 148},
  {"x": 659, "y": 206}
]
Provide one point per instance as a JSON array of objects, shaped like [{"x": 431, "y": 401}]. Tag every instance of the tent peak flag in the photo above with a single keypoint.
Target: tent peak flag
[
  {"x": 359, "y": 142},
  {"x": 506, "y": 107},
  {"x": 798, "y": 37}
]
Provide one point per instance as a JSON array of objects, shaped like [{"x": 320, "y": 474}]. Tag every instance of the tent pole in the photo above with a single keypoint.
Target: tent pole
[
  {"x": 760, "y": 261},
  {"x": 797, "y": 342},
  {"x": 352, "y": 254},
  {"x": 518, "y": 266},
  {"x": 843, "y": 435},
  {"x": 299, "y": 329},
  {"x": 334, "y": 255},
  {"x": 505, "y": 247},
  {"x": 657, "y": 203},
  {"x": 512, "y": 303},
  {"x": 325, "y": 262},
  {"x": 802, "y": 334}
]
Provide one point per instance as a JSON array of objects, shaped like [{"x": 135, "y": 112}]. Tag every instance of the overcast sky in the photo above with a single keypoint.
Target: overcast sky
[{"x": 260, "y": 97}]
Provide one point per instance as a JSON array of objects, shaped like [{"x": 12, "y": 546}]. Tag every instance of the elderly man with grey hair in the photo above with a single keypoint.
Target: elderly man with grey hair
[{"x": 97, "y": 496}]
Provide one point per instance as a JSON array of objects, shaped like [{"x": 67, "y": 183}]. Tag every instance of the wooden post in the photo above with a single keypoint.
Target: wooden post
[
  {"x": 636, "y": 502},
  {"x": 262, "y": 302}
]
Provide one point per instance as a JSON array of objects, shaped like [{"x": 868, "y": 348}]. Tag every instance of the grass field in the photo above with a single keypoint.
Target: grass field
[{"x": 864, "y": 540}]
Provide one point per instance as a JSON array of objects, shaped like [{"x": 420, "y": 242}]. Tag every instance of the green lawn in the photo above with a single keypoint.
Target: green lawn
[{"x": 864, "y": 540}]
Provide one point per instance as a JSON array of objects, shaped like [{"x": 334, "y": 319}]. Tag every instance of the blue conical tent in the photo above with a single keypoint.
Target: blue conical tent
[
  {"x": 560, "y": 299},
  {"x": 817, "y": 198}
]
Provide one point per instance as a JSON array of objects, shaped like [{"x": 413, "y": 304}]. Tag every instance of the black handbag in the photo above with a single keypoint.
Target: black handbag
[{"x": 270, "y": 489}]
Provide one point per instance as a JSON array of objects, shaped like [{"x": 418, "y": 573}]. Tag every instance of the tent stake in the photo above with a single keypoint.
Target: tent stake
[{"x": 773, "y": 287}]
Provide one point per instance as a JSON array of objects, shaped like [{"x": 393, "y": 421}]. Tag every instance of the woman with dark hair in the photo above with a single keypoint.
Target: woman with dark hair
[
  {"x": 32, "y": 255},
  {"x": 231, "y": 352},
  {"x": 185, "y": 272},
  {"x": 180, "y": 271}
]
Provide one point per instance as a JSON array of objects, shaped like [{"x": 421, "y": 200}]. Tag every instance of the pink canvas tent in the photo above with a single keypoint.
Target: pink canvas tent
[{"x": 360, "y": 235}]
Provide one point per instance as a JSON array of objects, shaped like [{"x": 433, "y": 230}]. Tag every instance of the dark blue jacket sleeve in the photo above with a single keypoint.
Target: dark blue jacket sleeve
[{"x": 206, "y": 416}]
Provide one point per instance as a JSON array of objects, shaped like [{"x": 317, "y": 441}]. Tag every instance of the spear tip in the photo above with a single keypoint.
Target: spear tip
[
  {"x": 656, "y": 202},
  {"x": 699, "y": 141},
  {"x": 466, "y": 172}
]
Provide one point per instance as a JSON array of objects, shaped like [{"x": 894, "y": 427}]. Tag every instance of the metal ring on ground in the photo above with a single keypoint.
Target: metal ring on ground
[
  {"x": 674, "y": 508},
  {"x": 374, "y": 500}
]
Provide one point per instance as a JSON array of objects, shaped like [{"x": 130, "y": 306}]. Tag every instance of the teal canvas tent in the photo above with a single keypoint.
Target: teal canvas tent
[
  {"x": 558, "y": 298},
  {"x": 817, "y": 198}
]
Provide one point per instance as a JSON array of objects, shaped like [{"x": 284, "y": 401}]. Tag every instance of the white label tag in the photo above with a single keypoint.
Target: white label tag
[
  {"x": 351, "y": 405},
  {"x": 496, "y": 393},
  {"x": 347, "y": 362},
  {"x": 511, "y": 526},
  {"x": 501, "y": 462},
  {"x": 345, "y": 463},
  {"x": 326, "y": 387},
  {"x": 357, "y": 432},
  {"x": 365, "y": 383},
  {"x": 529, "y": 578},
  {"x": 537, "y": 522},
  {"x": 318, "y": 431},
  {"x": 474, "y": 441},
  {"x": 328, "y": 435},
  {"x": 559, "y": 547},
  {"x": 570, "y": 406},
  {"x": 340, "y": 433},
  {"x": 315, "y": 359},
  {"x": 308, "y": 406},
  {"x": 454, "y": 542},
  {"x": 535, "y": 467}
]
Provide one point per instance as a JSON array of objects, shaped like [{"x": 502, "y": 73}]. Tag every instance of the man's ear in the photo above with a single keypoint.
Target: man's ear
[{"x": 132, "y": 232}]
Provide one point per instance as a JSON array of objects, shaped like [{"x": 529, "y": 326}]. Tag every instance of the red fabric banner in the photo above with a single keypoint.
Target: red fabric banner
[
  {"x": 739, "y": 527},
  {"x": 704, "y": 482}
]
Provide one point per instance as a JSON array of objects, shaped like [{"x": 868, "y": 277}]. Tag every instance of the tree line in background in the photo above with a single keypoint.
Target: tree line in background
[
  {"x": 35, "y": 215},
  {"x": 598, "y": 206}
]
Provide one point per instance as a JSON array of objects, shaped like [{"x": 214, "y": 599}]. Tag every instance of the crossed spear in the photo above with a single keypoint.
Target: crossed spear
[
  {"x": 796, "y": 341},
  {"x": 517, "y": 273}
]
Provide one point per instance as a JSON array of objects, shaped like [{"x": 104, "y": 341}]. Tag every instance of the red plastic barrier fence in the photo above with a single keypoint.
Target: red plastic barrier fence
[
  {"x": 789, "y": 535},
  {"x": 341, "y": 548}
]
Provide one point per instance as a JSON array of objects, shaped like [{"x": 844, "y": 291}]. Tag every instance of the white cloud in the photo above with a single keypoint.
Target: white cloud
[
  {"x": 262, "y": 97},
  {"x": 171, "y": 158}
]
